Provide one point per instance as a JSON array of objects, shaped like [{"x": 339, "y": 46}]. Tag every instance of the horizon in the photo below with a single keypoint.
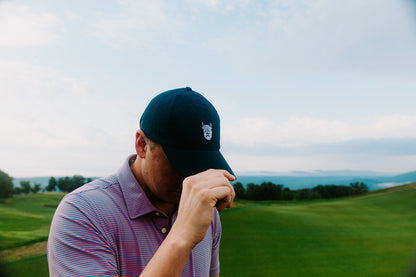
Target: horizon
[
  {"x": 299, "y": 86},
  {"x": 374, "y": 181},
  {"x": 303, "y": 174}
]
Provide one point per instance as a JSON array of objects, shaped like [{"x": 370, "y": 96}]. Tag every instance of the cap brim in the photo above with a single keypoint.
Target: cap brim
[{"x": 190, "y": 162}]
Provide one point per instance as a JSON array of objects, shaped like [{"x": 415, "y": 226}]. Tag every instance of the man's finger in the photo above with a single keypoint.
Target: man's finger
[
  {"x": 223, "y": 197},
  {"x": 229, "y": 176}
]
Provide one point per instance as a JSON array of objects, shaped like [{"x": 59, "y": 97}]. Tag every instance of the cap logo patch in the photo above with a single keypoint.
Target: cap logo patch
[{"x": 207, "y": 129}]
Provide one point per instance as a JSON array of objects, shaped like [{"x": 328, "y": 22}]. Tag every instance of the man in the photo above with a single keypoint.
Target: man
[{"x": 157, "y": 216}]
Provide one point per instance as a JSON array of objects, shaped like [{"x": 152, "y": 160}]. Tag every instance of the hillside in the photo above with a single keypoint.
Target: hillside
[
  {"x": 402, "y": 178},
  {"x": 405, "y": 187},
  {"x": 25, "y": 219},
  {"x": 367, "y": 235}
]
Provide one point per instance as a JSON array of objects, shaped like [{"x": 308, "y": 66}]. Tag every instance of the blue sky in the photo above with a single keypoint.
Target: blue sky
[{"x": 299, "y": 85}]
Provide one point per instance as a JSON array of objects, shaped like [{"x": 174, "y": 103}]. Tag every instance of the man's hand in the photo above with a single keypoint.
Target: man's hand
[{"x": 200, "y": 194}]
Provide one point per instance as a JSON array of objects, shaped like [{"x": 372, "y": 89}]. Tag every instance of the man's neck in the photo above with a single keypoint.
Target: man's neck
[{"x": 168, "y": 208}]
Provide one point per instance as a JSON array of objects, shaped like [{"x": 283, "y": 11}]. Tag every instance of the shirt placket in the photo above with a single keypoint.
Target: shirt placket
[{"x": 161, "y": 223}]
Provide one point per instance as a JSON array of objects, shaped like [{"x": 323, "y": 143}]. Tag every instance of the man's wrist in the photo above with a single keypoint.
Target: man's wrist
[{"x": 179, "y": 240}]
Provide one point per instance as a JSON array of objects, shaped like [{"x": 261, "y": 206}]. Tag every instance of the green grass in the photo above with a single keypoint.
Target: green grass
[
  {"x": 35, "y": 266},
  {"x": 370, "y": 236},
  {"x": 25, "y": 219}
]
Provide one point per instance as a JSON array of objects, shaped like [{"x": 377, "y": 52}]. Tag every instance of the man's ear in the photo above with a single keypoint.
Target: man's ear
[{"x": 140, "y": 144}]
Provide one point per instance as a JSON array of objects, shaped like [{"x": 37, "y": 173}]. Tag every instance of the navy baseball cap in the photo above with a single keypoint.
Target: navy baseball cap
[{"x": 187, "y": 126}]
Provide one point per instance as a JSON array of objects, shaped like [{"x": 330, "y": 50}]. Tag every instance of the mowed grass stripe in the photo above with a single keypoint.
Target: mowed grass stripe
[
  {"x": 38, "y": 248},
  {"x": 25, "y": 219},
  {"x": 371, "y": 236}
]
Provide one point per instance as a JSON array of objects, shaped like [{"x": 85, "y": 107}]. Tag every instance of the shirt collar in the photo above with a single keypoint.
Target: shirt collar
[{"x": 136, "y": 200}]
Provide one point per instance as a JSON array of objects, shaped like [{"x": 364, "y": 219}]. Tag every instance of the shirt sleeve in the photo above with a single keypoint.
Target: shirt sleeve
[
  {"x": 216, "y": 237},
  {"x": 76, "y": 245}
]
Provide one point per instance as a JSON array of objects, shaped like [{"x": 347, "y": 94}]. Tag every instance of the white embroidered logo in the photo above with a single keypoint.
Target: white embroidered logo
[{"x": 207, "y": 131}]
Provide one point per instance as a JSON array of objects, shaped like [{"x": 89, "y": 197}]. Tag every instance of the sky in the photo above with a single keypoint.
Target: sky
[{"x": 299, "y": 85}]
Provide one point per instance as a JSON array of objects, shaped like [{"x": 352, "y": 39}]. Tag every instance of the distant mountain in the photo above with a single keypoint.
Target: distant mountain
[
  {"x": 406, "y": 177},
  {"x": 340, "y": 173},
  {"x": 353, "y": 173},
  {"x": 303, "y": 179}
]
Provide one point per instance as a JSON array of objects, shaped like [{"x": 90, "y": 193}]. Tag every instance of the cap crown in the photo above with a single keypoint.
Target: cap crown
[{"x": 182, "y": 118}]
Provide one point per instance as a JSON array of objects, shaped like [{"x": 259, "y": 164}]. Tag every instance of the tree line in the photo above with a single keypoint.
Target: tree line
[
  {"x": 6, "y": 185},
  {"x": 63, "y": 184},
  {"x": 264, "y": 191},
  {"x": 66, "y": 184},
  {"x": 270, "y": 191}
]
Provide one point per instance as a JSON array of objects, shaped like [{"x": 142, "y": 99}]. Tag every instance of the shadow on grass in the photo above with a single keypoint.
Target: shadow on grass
[{"x": 35, "y": 266}]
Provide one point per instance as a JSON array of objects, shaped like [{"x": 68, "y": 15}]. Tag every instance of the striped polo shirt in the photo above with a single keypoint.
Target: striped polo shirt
[{"x": 109, "y": 228}]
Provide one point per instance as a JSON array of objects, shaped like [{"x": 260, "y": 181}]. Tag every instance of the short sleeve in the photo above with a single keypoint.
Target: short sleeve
[{"x": 76, "y": 245}]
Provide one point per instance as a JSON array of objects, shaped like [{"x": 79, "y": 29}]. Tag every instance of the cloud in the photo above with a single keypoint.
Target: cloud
[
  {"x": 71, "y": 16},
  {"x": 400, "y": 146},
  {"x": 22, "y": 26},
  {"x": 58, "y": 124},
  {"x": 381, "y": 143},
  {"x": 356, "y": 161},
  {"x": 273, "y": 36},
  {"x": 209, "y": 3},
  {"x": 312, "y": 36},
  {"x": 220, "y": 5},
  {"x": 39, "y": 101},
  {"x": 136, "y": 24},
  {"x": 405, "y": 146},
  {"x": 301, "y": 131}
]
